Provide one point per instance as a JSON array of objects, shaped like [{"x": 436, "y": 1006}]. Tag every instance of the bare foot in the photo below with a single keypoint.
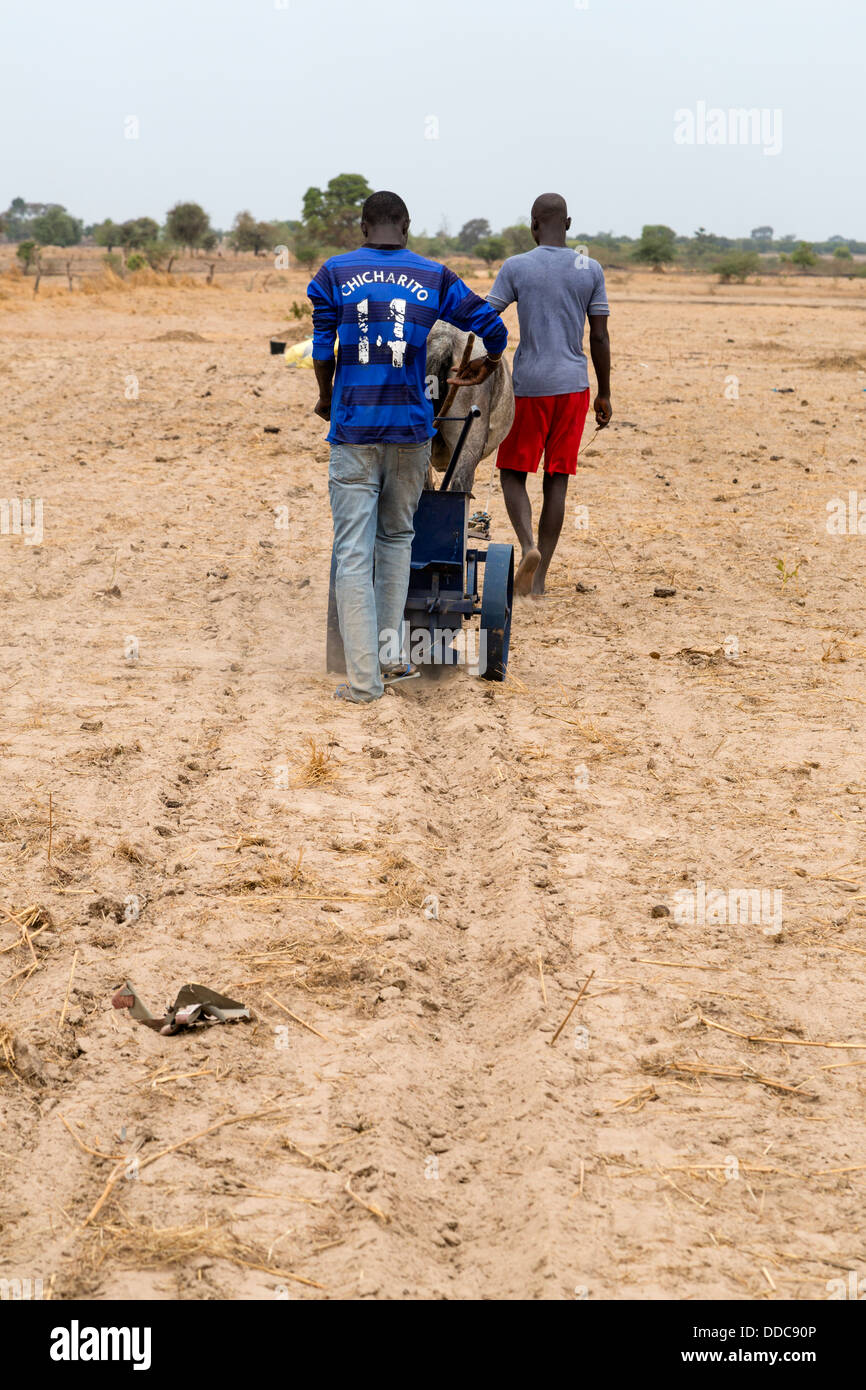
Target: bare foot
[{"x": 526, "y": 571}]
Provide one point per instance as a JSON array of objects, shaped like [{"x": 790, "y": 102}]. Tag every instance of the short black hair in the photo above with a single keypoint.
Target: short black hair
[
  {"x": 384, "y": 208},
  {"x": 549, "y": 207}
]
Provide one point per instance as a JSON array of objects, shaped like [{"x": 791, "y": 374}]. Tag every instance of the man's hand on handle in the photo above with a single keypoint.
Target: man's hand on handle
[{"x": 475, "y": 371}]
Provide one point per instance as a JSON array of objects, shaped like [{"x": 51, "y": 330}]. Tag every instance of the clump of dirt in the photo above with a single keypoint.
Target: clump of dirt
[{"x": 179, "y": 335}]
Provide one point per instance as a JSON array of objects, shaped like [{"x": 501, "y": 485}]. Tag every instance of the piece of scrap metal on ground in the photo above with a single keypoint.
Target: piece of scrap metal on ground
[{"x": 195, "y": 1005}]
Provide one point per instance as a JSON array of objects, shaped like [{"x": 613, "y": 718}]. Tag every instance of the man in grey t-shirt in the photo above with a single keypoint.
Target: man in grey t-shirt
[{"x": 556, "y": 290}]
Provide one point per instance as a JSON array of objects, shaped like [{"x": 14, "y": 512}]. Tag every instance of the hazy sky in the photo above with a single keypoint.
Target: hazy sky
[{"x": 245, "y": 103}]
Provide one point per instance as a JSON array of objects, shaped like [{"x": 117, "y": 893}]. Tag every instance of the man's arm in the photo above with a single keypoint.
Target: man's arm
[
  {"x": 325, "y": 378},
  {"x": 502, "y": 292},
  {"x": 599, "y": 347},
  {"x": 324, "y": 336},
  {"x": 463, "y": 307}
]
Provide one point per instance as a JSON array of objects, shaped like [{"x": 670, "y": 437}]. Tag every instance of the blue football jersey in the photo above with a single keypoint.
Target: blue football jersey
[{"x": 382, "y": 304}]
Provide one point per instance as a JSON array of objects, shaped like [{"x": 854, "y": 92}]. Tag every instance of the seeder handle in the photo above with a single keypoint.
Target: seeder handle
[{"x": 474, "y": 413}]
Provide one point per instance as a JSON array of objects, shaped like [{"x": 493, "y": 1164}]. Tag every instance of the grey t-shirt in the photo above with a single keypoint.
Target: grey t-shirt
[{"x": 555, "y": 288}]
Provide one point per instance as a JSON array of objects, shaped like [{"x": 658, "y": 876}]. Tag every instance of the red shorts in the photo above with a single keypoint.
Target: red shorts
[{"x": 549, "y": 425}]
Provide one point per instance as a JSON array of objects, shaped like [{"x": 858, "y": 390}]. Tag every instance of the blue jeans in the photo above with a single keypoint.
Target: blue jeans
[{"x": 374, "y": 490}]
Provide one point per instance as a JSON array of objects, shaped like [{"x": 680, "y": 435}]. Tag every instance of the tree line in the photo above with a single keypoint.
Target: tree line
[
  {"x": 732, "y": 258},
  {"x": 329, "y": 223}
]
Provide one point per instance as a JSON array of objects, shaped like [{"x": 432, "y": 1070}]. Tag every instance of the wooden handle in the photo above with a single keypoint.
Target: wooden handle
[{"x": 452, "y": 390}]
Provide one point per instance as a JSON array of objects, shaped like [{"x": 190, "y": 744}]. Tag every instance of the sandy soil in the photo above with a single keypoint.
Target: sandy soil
[{"x": 428, "y": 1135}]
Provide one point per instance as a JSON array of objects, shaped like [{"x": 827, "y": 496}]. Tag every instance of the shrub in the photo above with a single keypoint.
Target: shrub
[
  {"x": 517, "y": 239},
  {"x": 157, "y": 253},
  {"x": 137, "y": 232},
  {"x": 490, "y": 248},
  {"x": 27, "y": 253},
  {"x": 107, "y": 234},
  {"x": 333, "y": 214},
  {"x": 307, "y": 253},
  {"x": 249, "y": 235},
  {"x": 471, "y": 233},
  {"x": 56, "y": 228},
  {"x": 656, "y": 246},
  {"x": 736, "y": 265},
  {"x": 188, "y": 224}
]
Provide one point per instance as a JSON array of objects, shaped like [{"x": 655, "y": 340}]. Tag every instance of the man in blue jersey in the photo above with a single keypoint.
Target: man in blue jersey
[{"x": 382, "y": 300}]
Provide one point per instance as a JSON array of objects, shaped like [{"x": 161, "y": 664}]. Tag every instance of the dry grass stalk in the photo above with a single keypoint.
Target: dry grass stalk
[
  {"x": 701, "y": 1206},
  {"x": 132, "y": 853},
  {"x": 738, "y": 1073},
  {"x": 258, "y": 898},
  {"x": 274, "y": 872},
  {"x": 68, "y": 988},
  {"x": 638, "y": 1099},
  {"x": 247, "y": 842},
  {"x": 588, "y": 729},
  {"x": 678, "y": 964},
  {"x": 697, "y": 1168},
  {"x": 24, "y": 920},
  {"x": 26, "y": 970},
  {"x": 368, "y": 1206},
  {"x": 172, "y": 1148},
  {"x": 96, "y": 1153},
  {"x": 784, "y": 1042},
  {"x": 182, "y": 1076},
  {"x": 308, "y": 1026},
  {"x": 7, "y": 1050},
  {"x": 140, "y": 1245},
  {"x": 282, "y": 1196},
  {"x": 336, "y": 963},
  {"x": 319, "y": 765},
  {"x": 315, "y": 1160},
  {"x": 572, "y": 1009},
  {"x": 404, "y": 881},
  {"x": 541, "y": 977}
]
